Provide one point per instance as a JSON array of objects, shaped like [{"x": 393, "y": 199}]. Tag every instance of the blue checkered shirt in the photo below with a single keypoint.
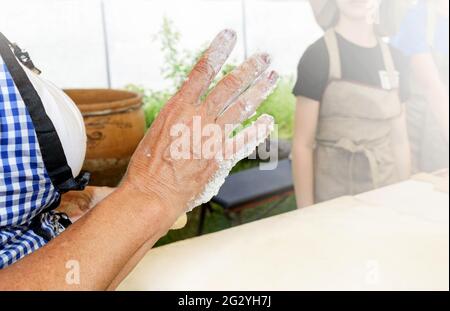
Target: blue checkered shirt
[{"x": 25, "y": 187}]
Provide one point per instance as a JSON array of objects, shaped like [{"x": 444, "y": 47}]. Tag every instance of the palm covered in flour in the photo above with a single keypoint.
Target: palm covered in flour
[{"x": 186, "y": 155}]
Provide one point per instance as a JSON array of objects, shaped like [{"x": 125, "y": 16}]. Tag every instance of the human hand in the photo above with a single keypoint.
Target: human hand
[{"x": 186, "y": 155}]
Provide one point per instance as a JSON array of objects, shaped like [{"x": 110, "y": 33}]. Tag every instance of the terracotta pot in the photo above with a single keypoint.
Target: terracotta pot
[{"x": 115, "y": 124}]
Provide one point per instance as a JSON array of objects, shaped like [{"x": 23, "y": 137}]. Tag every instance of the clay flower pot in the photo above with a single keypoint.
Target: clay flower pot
[{"x": 115, "y": 124}]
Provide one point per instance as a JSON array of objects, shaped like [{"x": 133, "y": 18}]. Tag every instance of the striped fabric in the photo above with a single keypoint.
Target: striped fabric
[{"x": 25, "y": 187}]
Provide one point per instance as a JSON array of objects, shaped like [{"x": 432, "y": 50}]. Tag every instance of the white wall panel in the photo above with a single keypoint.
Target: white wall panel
[{"x": 64, "y": 37}]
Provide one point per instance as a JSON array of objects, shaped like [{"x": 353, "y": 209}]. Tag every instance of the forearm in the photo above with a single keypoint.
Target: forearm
[
  {"x": 131, "y": 263},
  {"x": 100, "y": 244},
  {"x": 303, "y": 172},
  {"x": 143, "y": 250}
]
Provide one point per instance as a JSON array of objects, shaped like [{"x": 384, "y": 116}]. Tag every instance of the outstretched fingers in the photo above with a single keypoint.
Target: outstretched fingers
[
  {"x": 235, "y": 83},
  {"x": 245, "y": 106},
  {"x": 245, "y": 142},
  {"x": 208, "y": 66},
  {"x": 235, "y": 149}
]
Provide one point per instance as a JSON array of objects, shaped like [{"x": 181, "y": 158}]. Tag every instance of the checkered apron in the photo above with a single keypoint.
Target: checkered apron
[{"x": 25, "y": 186}]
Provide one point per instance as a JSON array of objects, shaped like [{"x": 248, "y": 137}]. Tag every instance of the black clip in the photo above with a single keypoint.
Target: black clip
[
  {"x": 25, "y": 58},
  {"x": 83, "y": 180},
  {"x": 64, "y": 220},
  {"x": 78, "y": 183}
]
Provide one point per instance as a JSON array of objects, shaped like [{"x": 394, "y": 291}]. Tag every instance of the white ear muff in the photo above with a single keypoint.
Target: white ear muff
[{"x": 66, "y": 119}]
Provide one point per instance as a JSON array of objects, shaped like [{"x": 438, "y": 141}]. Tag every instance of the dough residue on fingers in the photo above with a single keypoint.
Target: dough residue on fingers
[
  {"x": 220, "y": 49},
  {"x": 226, "y": 164}
]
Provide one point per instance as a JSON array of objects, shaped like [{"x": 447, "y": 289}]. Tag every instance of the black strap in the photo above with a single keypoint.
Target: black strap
[
  {"x": 50, "y": 145},
  {"x": 22, "y": 55}
]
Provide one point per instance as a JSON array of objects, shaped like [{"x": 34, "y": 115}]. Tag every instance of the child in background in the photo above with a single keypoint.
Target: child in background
[{"x": 350, "y": 134}]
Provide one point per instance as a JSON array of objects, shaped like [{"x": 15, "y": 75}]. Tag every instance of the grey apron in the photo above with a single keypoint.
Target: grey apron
[{"x": 353, "y": 151}]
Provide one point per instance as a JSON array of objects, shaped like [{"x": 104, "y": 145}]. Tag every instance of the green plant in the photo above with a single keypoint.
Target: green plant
[
  {"x": 177, "y": 65},
  {"x": 153, "y": 101}
]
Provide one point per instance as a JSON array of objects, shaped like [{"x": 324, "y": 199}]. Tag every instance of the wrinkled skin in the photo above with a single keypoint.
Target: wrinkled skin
[{"x": 75, "y": 204}]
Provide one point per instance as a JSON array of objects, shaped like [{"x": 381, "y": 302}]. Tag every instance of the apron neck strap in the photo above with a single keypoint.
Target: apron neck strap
[
  {"x": 335, "y": 59},
  {"x": 387, "y": 56},
  {"x": 334, "y": 54}
]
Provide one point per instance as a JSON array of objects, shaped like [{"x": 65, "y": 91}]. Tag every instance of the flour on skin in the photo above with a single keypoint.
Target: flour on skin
[{"x": 225, "y": 165}]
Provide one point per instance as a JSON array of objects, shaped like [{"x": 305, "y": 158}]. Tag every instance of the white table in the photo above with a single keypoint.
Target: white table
[{"x": 395, "y": 238}]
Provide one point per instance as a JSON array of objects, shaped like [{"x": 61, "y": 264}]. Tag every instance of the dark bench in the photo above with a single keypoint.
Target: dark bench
[{"x": 251, "y": 188}]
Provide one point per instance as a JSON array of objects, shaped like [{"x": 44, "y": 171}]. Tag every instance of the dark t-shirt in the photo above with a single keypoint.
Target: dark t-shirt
[{"x": 359, "y": 64}]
